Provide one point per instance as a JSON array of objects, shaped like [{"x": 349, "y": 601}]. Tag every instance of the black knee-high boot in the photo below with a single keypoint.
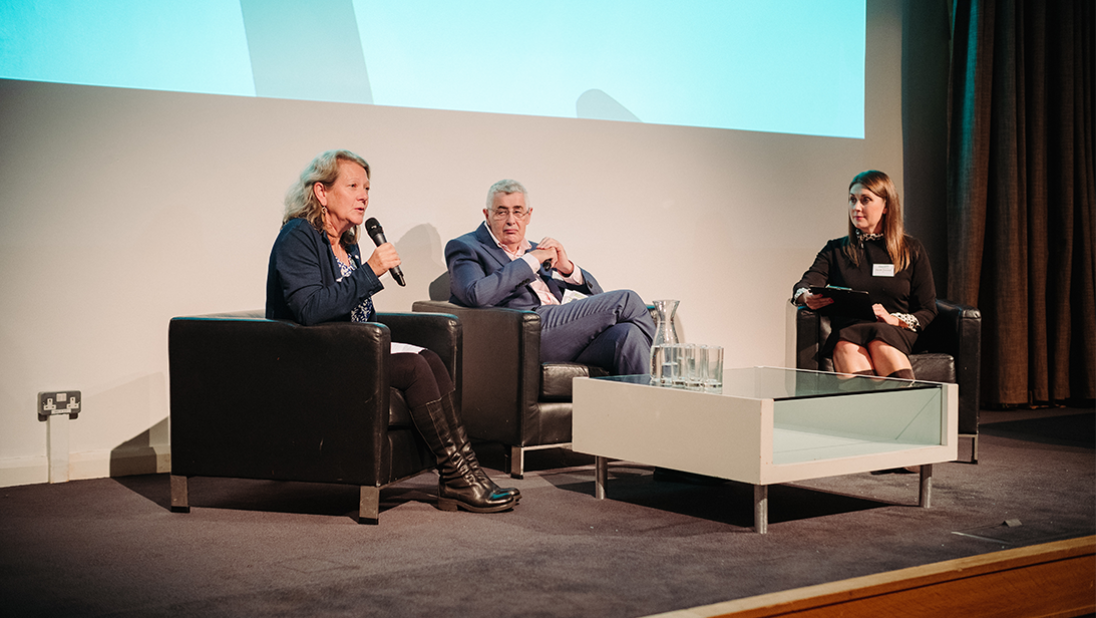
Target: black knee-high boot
[
  {"x": 460, "y": 437},
  {"x": 458, "y": 486},
  {"x": 905, "y": 374}
]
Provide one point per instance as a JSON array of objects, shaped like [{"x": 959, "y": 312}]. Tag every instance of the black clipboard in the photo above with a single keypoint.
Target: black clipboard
[{"x": 846, "y": 302}]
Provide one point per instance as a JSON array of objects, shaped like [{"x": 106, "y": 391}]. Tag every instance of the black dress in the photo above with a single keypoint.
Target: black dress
[{"x": 910, "y": 294}]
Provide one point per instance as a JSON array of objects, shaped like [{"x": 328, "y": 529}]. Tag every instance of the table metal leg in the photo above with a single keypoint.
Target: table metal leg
[
  {"x": 761, "y": 508},
  {"x": 601, "y": 476},
  {"x": 926, "y": 486}
]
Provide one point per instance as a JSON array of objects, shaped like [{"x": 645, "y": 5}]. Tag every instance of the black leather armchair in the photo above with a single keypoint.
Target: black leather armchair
[
  {"x": 950, "y": 350},
  {"x": 263, "y": 399},
  {"x": 509, "y": 396}
]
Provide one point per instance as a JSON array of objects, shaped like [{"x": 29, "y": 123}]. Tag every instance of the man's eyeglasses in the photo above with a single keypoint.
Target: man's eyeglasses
[{"x": 501, "y": 214}]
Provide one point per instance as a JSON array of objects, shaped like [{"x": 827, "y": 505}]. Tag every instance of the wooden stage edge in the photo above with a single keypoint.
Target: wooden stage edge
[{"x": 1053, "y": 579}]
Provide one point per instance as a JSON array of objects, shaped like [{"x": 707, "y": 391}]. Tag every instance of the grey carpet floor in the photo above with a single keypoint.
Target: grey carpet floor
[{"x": 111, "y": 547}]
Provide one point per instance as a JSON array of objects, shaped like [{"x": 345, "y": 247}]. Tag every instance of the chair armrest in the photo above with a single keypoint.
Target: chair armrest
[
  {"x": 945, "y": 332},
  {"x": 957, "y": 330},
  {"x": 500, "y": 367},
  {"x": 807, "y": 341},
  {"x": 267, "y": 399},
  {"x": 441, "y": 333}
]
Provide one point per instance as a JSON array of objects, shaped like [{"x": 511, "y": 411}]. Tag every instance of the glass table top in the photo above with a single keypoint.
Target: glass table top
[{"x": 780, "y": 383}]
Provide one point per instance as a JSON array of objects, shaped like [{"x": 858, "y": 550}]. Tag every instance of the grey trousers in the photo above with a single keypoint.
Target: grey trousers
[{"x": 612, "y": 330}]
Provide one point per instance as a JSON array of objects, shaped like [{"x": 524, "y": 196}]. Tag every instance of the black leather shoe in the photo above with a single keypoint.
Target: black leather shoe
[
  {"x": 469, "y": 494},
  {"x": 482, "y": 477}
]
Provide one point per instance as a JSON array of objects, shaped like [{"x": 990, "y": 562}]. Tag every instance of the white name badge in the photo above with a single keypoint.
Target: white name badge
[
  {"x": 882, "y": 270},
  {"x": 571, "y": 295}
]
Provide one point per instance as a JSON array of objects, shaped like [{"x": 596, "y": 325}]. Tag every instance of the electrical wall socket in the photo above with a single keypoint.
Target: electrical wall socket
[{"x": 58, "y": 402}]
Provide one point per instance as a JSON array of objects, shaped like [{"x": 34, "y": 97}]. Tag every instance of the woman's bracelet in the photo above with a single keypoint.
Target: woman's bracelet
[
  {"x": 798, "y": 293},
  {"x": 910, "y": 321}
]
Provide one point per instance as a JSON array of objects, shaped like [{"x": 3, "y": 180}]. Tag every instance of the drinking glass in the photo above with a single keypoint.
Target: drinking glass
[
  {"x": 713, "y": 367},
  {"x": 694, "y": 376},
  {"x": 675, "y": 367},
  {"x": 658, "y": 363}
]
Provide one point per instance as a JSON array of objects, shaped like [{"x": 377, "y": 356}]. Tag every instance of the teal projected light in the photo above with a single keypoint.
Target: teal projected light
[
  {"x": 192, "y": 46},
  {"x": 785, "y": 66}
]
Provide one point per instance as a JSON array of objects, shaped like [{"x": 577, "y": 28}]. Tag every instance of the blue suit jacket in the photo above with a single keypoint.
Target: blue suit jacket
[{"x": 482, "y": 275}]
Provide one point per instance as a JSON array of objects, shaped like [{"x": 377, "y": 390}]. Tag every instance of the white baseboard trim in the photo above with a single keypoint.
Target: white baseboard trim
[
  {"x": 24, "y": 471},
  {"x": 154, "y": 459}
]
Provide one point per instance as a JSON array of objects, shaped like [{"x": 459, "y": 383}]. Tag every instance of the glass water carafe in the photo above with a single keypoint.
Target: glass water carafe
[{"x": 665, "y": 334}]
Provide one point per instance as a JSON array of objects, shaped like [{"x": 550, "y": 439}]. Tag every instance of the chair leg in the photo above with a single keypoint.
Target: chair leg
[
  {"x": 517, "y": 462},
  {"x": 180, "y": 496},
  {"x": 369, "y": 505},
  {"x": 972, "y": 438}
]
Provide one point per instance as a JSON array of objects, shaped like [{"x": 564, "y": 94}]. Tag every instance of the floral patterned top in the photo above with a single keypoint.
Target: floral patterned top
[{"x": 364, "y": 311}]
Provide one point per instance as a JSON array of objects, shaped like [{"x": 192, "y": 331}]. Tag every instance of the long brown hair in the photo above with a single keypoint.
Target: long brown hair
[{"x": 894, "y": 230}]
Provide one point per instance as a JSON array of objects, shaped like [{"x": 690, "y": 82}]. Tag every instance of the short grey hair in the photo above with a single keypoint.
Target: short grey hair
[{"x": 506, "y": 186}]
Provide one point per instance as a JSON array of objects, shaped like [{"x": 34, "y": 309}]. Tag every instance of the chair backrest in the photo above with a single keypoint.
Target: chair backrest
[{"x": 439, "y": 288}]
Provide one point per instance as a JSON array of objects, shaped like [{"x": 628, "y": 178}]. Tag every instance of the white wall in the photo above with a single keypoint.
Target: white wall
[{"x": 123, "y": 208}]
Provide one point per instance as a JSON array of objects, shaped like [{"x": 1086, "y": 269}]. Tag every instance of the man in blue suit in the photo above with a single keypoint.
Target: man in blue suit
[{"x": 495, "y": 266}]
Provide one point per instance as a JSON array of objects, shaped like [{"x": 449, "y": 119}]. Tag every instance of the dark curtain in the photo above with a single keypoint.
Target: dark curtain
[{"x": 1021, "y": 194}]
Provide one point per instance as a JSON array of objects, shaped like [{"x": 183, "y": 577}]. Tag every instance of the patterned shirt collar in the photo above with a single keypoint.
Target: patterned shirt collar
[{"x": 861, "y": 236}]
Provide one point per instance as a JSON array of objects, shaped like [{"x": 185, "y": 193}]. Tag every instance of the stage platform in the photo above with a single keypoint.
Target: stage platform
[{"x": 112, "y": 547}]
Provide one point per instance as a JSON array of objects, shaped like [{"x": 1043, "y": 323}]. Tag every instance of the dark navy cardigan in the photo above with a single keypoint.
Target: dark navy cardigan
[{"x": 301, "y": 280}]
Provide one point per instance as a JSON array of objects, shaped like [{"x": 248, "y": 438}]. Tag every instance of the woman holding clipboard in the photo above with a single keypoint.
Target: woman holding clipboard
[{"x": 879, "y": 259}]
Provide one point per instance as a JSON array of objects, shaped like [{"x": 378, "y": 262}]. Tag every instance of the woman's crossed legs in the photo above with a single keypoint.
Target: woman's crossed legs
[{"x": 877, "y": 358}]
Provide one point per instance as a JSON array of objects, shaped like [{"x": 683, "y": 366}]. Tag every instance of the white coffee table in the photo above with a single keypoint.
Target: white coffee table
[{"x": 769, "y": 425}]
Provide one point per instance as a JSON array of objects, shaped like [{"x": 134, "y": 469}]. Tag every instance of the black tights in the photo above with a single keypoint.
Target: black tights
[{"x": 422, "y": 377}]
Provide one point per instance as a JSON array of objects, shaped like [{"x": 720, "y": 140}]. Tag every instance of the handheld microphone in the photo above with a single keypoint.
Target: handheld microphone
[{"x": 376, "y": 232}]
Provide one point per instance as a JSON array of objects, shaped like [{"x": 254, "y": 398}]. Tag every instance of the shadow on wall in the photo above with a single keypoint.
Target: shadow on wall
[
  {"x": 142, "y": 397},
  {"x": 146, "y": 453},
  {"x": 596, "y": 104},
  {"x": 422, "y": 260}
]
